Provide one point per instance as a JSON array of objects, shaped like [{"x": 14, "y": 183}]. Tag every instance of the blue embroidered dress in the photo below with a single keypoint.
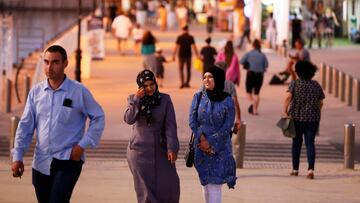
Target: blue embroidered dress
[{"x": 214, "y": 120}]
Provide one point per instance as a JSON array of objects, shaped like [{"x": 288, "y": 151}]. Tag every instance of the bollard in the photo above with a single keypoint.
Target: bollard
[
  {"x": 349, "y": 91},
  {"x": 14, "y": 121},
  {"x": 238, "y": 145},
  {"x": 357, "y": 95},
  {"x": 323, "y": 75},
  {"x": 330, "y": 79},
  {"x": 8, "y": 96},
  {"x": 342, "y": 86},
  {"x": 336, "y": 82},
  {"x": 349, "y": 145},
  {"x": 26, "y": 88}
]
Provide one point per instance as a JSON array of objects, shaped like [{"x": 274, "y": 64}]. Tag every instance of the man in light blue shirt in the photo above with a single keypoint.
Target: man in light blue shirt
[{"x": 57, "y": 109}]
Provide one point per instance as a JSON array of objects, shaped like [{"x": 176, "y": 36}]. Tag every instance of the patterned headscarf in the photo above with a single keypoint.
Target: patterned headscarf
[{"x": 148, "y": 102}]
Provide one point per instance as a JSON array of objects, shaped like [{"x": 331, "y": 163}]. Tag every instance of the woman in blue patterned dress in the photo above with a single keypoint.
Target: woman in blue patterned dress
[
  {"x": 303, "y": 103},
  {"x": 212, "y": 115}
]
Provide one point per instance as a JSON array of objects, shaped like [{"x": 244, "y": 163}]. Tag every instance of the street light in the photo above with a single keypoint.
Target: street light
[{"x": 78, "y": 50}]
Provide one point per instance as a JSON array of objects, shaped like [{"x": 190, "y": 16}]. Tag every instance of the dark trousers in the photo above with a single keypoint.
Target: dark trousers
[
  {"x": 247, "y": 35},
  {"x": 309, "y": 130},
  {"x": 209, "y": 24},
  {"x": 58, "y": 187},
  {"x": 185, "y": 62}
]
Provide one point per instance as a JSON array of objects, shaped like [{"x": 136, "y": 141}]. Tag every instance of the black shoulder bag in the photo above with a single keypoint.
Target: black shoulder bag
[{"x": 190, "y": 151}]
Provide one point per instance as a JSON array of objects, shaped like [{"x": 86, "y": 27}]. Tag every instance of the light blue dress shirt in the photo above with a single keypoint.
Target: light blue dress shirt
[{"x": 58, "y": 125}]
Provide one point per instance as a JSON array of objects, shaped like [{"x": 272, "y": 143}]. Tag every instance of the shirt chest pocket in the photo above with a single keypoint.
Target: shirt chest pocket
[{"x": 67, "y": 115}]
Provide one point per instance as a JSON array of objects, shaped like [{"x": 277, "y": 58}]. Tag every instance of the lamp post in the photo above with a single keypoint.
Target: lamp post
[{"x": 78, "y": 50}]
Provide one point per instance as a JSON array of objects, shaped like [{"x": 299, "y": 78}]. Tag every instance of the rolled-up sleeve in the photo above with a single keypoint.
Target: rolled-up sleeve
[
  {"x": 97, "y": 120},
  {"x": 25, "y": 130}
]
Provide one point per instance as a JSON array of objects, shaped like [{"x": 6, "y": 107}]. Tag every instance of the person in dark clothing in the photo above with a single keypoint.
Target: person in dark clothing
[
  {"x": 303, "y": 103},
  {"x": 208, "y": 54},
  {"x": 112, "y": 11},
  {"x": 184, "y": 43},
  {"x": 296, "y": 29},
  {"x": 159, "y": 66},
  {"x": 246, "y": 33}
]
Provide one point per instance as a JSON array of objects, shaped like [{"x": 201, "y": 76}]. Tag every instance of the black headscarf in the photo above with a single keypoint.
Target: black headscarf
[
  {"x": 148, "y": 102},
  {"x": 218, "y": 93}
]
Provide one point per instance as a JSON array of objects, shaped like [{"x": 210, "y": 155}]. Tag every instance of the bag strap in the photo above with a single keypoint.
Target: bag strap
[{"x": 192, "y": 138}]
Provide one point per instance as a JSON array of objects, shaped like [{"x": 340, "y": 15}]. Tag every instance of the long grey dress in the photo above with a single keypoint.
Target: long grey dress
[{"x": 155, "y": 178}]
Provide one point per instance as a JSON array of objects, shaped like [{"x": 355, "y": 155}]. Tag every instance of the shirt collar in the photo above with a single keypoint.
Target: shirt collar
[{"x": 64, "y": 85}]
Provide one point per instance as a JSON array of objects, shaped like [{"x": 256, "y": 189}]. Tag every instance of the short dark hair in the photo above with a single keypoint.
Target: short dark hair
[
  {"x": 301, "y": 41},
  {"x": 257, "y": 45},
  {"x": 58, "y": 48},
  {"x": 208, "y": 40},
  {"x": 185, "y": 28},
  {"x": 305, "y": 70}
]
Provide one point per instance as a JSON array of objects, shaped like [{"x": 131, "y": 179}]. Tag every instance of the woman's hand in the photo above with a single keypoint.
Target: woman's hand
[
  {"x": 285, "y": 115},
  {"x": 172, "y": 156},
  {"x": 140, "y": 93},
  {"x": 204, "y": 145}
]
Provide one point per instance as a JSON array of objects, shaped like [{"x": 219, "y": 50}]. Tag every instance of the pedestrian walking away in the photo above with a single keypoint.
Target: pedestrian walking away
[
  {"x": 57, "y": 110},
  {"x": 184, "y": 43},
  {"x": 208, "y": 54},
  {"x": 270, "y": 24},
  {"x": 159, "y": 66},
  {"x": 137, "y": 34},
  {"x": 162, "y": 17},
  {"x": 154, "y": 145},
  {"x": 246, "y": 33},
  {"x": 211, "y": 118},
  {"x": 121, "y": 29},
  {"x": 303, "y": 103},
  {"x": 257, "y": 65},
  {"x": 229, "y": 56},
  {"x": 148, "y": 48}
]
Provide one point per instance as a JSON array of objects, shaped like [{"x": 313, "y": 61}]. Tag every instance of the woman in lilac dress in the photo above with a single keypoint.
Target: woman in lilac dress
[{"x": 153, "y": 146}]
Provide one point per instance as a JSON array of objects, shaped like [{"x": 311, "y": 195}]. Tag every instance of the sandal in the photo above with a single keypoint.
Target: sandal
[
  {"x": 310, "y": 175},
  {"x": 294, "y": 173},
  {"x": 251, "y": 109}
]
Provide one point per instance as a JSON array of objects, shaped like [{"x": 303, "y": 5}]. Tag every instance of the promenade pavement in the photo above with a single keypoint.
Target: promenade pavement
[{"x": 113, "y": 79}]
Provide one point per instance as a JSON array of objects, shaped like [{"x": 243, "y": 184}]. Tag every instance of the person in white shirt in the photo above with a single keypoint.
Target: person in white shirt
[
  {"x": 121, "y": 29},
  {"x": 271, "y": 31},
  {"x": 182, "y": 15},
  {"x": 137, "y": 34}
]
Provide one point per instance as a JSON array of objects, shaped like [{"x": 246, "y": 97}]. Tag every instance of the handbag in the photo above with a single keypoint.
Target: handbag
[
  {"x": 198, "y": 65},
  {"x": 287, "y": 127},
  {"x": 190, "y": 153}
]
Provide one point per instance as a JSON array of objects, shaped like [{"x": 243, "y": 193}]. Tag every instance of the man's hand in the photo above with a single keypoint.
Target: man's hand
[
  {"x": 76, "y": 153},
  {"x": 172, "y": 156},
  {"x": 17, "y": 168}
]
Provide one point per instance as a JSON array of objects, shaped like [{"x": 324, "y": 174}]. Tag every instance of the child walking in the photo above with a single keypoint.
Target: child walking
[{"x": 159, "y": 67}]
